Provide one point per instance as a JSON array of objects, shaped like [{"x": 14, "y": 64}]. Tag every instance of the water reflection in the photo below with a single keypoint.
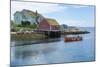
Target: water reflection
[
  {"x": 48, "y": 50},
  {"x": 25, "y": 54},
  {"x": 22, "y": 43}
]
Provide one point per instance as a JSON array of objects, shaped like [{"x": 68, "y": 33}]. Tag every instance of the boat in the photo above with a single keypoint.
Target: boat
[{"x": 71, "y": 39}]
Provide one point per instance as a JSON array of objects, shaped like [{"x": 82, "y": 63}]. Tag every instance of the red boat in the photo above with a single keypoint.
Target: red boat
[{"x": 71, "y": 39}]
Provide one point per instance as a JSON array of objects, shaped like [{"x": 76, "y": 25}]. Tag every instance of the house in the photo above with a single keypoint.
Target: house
[
  {"x": 51, "y": 27},
  {"x": 27, "y": 16},
  {"x": 49, "y": 24}
]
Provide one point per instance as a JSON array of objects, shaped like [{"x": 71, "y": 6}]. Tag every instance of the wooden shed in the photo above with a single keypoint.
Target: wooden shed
[{"x": 50, "y": 26}]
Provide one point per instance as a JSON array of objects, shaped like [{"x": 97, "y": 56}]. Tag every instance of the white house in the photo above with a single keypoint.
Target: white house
[{"x": 27, "y": 15}]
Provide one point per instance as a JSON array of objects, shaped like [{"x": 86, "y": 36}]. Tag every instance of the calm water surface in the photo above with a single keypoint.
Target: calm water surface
[{"x": 47, "y": 52}]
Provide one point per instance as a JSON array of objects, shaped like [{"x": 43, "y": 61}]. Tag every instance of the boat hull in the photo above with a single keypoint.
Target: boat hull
[{"x": 71, "y": 39}]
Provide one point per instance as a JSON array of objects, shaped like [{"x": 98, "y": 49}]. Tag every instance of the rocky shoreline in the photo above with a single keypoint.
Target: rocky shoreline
[
  {"x": 27, "y": 37},
  {"x": 78, "y": 32},
  {"x": 39, "y": 36}
]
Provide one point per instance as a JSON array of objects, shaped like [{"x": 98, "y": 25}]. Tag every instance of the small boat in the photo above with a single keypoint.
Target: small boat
[{"x": 71, "y": 39}]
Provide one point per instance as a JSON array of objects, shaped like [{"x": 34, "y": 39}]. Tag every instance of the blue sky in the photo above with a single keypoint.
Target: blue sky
[{"x": 72, "y": 15}]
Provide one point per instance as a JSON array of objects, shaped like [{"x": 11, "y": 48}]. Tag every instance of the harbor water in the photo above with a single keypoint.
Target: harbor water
[{"x": 52, "y": 51}]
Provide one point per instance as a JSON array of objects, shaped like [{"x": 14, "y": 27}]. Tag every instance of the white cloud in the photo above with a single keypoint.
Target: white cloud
[{"x": 43, "y": 8}]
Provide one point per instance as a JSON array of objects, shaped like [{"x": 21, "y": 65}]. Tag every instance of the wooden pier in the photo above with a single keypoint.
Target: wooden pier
[{"x": 51, "y": 33}]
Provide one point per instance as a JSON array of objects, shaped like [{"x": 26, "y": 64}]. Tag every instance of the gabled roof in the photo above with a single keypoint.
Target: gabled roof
[
  {"x": 29, "y": 12},
  {"x": 52, "y": 21}
]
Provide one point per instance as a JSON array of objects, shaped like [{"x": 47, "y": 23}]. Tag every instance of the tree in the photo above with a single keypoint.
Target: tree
[{"x": 25, "y": 23}]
